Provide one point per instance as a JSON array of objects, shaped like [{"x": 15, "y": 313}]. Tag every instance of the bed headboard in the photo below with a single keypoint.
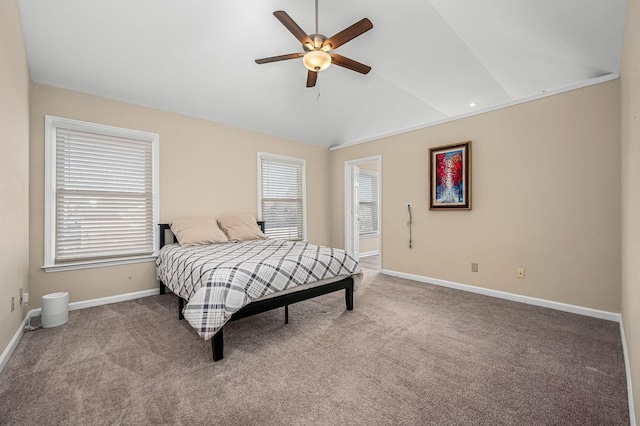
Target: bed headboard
[{"x": 164, "y": 227}]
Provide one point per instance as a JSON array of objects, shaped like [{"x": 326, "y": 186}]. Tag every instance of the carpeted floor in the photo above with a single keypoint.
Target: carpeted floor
[{"x": 409, "y": 354}]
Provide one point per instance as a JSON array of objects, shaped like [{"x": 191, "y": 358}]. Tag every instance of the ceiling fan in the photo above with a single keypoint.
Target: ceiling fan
[{"x": 318, "y": 55}]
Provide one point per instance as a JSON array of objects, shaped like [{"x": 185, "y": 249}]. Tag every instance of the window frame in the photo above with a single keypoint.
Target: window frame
[
  {"x": 376, "y": 187},
  {"x": 52, "y": 123},
  {"x": 289, "y": 160}
]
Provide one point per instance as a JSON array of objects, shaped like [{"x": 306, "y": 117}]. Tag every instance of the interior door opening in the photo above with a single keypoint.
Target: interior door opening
[{"x": 363, "y": 233}]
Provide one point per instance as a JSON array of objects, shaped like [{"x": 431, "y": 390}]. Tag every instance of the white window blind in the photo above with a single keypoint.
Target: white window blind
[
  {"x": 103, "y": 201},
  {"x": 282, "y": 196},
  {"x": 368, "y": 202}
]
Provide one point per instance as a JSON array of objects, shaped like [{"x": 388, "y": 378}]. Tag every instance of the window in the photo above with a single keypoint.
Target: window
[
  {"x": 281, "y": 196},
  {"x": 368, "y": 202},
  {"x": 101, "y": 194}
]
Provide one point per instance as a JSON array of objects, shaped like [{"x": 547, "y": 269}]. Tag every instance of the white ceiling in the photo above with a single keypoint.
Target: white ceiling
[{"x": 430, "y": 58}]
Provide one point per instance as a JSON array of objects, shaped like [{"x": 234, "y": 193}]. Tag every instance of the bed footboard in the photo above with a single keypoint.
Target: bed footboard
[{"x": 259, "y": 306}]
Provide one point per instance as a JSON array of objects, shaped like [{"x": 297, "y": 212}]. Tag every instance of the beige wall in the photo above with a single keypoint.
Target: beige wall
[
  {"x": 369, "y": 244},
  {"x": 546, "y": 197},
  {"x": 630, "y": 135},
  {"x": 205, "y": 169},
  {"x": 14, "y": 169}
]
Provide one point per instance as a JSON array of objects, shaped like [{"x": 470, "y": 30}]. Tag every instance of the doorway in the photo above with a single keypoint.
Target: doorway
[{"x": 363, "y": 233}]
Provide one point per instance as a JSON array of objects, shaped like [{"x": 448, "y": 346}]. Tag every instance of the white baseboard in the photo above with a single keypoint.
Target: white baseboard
[
  {"x": 627, "y": 367},
  {"x": 8, "y": 351},
  {"x": 6, "y": 354},
  {"x": 595, "y": 313},
  {"x": 106, "y": 300},
  {"x": 113, "y": 299},
  {"x": 370, "y": 253}
]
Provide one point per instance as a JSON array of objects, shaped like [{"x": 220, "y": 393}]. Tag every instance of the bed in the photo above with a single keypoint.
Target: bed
[{"x": 224, "y": 282}]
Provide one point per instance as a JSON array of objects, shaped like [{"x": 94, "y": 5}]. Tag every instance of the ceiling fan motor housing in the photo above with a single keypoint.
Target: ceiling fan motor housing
[{"x": 317, "y": 41}]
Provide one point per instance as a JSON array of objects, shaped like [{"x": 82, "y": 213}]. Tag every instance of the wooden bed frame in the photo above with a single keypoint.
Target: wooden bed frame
[{"x": 263, "y": 305}]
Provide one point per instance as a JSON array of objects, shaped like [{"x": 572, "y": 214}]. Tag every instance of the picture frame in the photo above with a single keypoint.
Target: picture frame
[{"x": 450, "y": 177}]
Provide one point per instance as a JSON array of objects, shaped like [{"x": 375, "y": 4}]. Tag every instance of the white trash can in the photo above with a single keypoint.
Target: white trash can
[{"x": 55, "y": 309}]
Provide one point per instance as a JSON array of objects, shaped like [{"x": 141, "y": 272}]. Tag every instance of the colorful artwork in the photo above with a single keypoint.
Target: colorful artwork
[
  {"x": 450, "y": 176},
  {"x": 449, "y": 185}
]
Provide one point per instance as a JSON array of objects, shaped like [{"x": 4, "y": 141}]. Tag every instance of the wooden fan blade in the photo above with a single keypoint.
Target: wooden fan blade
[
  {"x": 312, "y": 76},
  {"x": 279, "y": 58},
  {"x": 348, "y": 33},
  {"x": 349, "y": 63},
  {"x": 292, "y": 26}
]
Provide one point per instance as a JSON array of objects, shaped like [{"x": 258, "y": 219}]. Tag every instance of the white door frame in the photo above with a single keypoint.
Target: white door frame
[{"x": 349, "y": 234}]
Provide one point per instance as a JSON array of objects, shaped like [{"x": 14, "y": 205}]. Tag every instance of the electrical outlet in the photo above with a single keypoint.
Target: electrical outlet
[
  {"x": 520, "y": 273},
  {"x": 13, "y": 303},
  {"x": 474, "y": 267},
  {"x": 410, "y": 205},
  {"x": 25, "y": 298}
]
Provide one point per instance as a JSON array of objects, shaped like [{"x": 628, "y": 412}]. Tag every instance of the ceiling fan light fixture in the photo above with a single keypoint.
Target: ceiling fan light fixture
[{"x": 316, "y": 60}]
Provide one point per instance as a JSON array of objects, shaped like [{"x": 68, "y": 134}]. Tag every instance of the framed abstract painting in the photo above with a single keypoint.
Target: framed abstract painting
[{"x": 450, "y": 177}]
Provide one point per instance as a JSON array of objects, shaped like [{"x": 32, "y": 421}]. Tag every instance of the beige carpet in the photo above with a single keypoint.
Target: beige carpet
[{"x": 409, "y": 353}]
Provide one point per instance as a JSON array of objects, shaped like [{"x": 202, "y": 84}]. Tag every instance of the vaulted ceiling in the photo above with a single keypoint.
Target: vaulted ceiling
[{"x": 430, "y": 59}]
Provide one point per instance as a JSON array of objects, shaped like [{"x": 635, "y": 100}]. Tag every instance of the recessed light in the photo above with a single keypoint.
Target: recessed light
[{"x": 472, "y": 104}]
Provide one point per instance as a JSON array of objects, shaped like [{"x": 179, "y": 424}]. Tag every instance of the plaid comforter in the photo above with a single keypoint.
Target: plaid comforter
[{"x": 219, "y": 279}]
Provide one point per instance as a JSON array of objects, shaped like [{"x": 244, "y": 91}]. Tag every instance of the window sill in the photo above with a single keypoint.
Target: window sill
[
  {"x": 97, "y": 264},
  {"x": 370, "y": 235}
]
